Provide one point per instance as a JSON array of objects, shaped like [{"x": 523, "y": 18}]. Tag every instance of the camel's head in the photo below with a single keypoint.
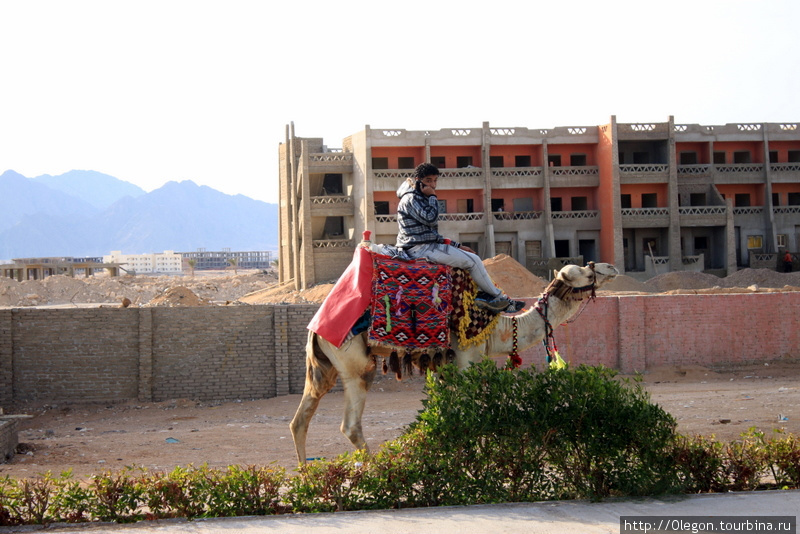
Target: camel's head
[{"x": 593, "y": 276}]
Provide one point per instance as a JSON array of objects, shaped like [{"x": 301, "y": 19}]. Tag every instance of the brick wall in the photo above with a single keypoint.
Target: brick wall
[
  {"x": 8, "y": 438},
  {"x": 635, "y": 333},
  {"x": 242, "y": 352}
]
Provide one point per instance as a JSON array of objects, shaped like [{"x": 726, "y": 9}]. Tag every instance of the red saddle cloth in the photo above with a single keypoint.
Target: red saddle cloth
[
  {"x": 411, "y": 304},
  {"x": 347, "y": 300}
]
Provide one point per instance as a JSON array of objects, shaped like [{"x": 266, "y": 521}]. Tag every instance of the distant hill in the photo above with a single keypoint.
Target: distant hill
[
  {"x": 37, "y": 219},
  {"x": 98, "y": 189}
]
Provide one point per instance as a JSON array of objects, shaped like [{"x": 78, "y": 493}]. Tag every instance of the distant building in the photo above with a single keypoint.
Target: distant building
[
  {"x": 218, "y": 260},
  {"x": 40, "y": 268},
  {"x": 167, "y": 262},
  {"x": 648, "y": 197}
]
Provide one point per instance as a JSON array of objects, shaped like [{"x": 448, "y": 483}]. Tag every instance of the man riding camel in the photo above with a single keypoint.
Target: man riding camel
[{"x": 418, "y": 219}]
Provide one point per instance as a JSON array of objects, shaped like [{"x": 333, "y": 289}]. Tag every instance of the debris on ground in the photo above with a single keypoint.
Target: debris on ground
[{"x": 221, "y": 288}]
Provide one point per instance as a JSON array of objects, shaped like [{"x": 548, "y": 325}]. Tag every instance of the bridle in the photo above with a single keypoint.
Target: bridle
[{"x": 542, "y": 305}]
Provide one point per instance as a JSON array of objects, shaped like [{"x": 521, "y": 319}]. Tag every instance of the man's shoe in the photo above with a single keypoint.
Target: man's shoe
[{"x": 499, "y": 304}]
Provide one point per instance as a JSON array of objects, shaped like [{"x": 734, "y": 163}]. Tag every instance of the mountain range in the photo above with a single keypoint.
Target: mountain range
[{"x": 87, "y": 214}]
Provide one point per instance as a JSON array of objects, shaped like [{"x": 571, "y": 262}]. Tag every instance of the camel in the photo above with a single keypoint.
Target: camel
[{"x": 356, "y": 367}]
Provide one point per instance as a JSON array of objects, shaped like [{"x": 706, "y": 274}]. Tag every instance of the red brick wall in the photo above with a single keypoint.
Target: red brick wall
[{"x": 636, "y": 333}]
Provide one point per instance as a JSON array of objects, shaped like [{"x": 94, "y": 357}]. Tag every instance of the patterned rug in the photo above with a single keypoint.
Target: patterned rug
[
  {"x": 470, "y": 323},
  {"x": 411, "y": 304}
]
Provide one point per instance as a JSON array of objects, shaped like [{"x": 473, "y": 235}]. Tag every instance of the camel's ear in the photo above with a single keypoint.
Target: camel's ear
[
  {"x": 555, "y": 274},
  {"x": 565, "y": 277}
]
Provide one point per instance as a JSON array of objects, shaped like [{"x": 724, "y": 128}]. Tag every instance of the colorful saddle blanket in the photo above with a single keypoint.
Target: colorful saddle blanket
[
  {"x": 411, "y": 304},
  {"x": 416, "y": 304}
]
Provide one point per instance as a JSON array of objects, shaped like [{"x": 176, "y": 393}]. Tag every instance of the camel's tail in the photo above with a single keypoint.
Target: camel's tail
[{"x": 320, "y": 372}]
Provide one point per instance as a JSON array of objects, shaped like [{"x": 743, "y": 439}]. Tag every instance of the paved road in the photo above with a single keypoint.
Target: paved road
[{"x": 563, "y": 517}]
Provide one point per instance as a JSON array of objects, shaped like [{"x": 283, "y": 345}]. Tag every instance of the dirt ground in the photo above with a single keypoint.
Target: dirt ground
[{"x": 159, "y": 436}]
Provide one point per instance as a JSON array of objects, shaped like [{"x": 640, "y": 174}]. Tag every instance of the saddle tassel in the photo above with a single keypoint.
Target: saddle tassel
[
  {"x": 394, "y": 364},
  {"x": 407, "y": 367}
]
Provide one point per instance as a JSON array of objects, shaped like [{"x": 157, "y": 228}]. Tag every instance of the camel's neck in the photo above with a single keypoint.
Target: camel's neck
[{"x": 530, "y": 325}]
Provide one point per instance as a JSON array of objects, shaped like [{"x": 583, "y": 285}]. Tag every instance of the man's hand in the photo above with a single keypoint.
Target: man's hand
[{"x": 465, "y": 248}]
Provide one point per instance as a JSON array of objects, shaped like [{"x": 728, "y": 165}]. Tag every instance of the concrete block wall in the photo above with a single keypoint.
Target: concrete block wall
[
  {"x": 242, "y": 352},
  {"x": 152, "y": 354},
  {"x": 9, "y": 438}
]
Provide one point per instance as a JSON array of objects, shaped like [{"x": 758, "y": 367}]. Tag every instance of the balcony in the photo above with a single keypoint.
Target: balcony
[
  {"x": 510, "y": 221},
  {"x": 747, "y": 216},
  {"x": 699, "y": 173},
  {"x": 334, "y": 244},
  {"x": 584, "y": 176},
  {"x": 468, "y": 178},
  {"x": 638, "y": 173},
  {"x": 703, "y": 215},
  {"x": 739, "y": 173},
  {"x": 579, "y": 220},
  {"x": 516, "y": 177},
  {"x": 786, "y": 215},
  {"x": 784, "y": 172},
  {"x": 332, "y": 206},
  {"x": 466, "y": 222},
  {"x": 645, "y": 217},
  {"x": 331, "y": 162}
]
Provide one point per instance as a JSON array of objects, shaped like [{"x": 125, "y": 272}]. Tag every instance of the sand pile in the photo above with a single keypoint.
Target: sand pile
[
  {"x": 221, "y": 287},
  {"x": 178, "y": 296},
  {"x": 513, "y": 278},
  {"x": 258, "y": 287}
]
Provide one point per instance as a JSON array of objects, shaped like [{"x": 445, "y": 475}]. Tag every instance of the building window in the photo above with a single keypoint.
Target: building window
[
  {"x": 781, "y": 240},
  {"x": 742, "y": 156},
  {"x": 380, "y": 163},
  {"x": 522, "y": 161},
  {"x": 776, "y": 199},
  {"x": 700, "y": 243},
  {"x": 773, "y": 156},
  {"x": 577, "y": 160},
  {"x": 625, "y": 201},
  {"x": 465, "y": 205},
  {"x": 649, "y": 200},
  {"x": 463, "y": 161},
  {"x": 641, "y": 158},
  {"x": 406, "y": 163},
  {"x": 794, "y": 199},
  {"x": 334, "y": 227},
  {"x": 697, "y": 199},
  {"x": 688, "y": 158},
  {"x": 498, "y": 204},
  {"x": 496, "y": 161},
  {"x": 554, "y": 160},
  {"x": 332, "y": 184},
  {"x": 381, "y": 207},
  {"x": 523, "y": 204},
  {"x": 794, "y": 156},
  {"x": 555, "y": 204},
  {"x": 438, "y": 161},
  {"x": 755, "y": 242},
  {"x": 442, "y": 206},
  {"x": 580, "y": 204},
  {"x": 719, "y": 158},
  {"x": 742, "y": 200}
]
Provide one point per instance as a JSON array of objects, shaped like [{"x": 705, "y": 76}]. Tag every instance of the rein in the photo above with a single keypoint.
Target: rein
[{"x": 560, "y": 290}]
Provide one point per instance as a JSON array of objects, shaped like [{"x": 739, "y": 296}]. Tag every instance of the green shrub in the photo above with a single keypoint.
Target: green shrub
[{"x": 500, "y": 435}]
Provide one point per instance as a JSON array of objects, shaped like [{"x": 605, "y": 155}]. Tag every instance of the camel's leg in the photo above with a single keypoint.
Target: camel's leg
[
  {"x": 320, "y": 378},
  {"x": 355, "y": 397},
  {"x": 356, "y": 371}
]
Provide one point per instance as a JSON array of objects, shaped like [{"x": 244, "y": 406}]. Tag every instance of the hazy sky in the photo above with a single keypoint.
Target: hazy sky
[{"x": 153, "y": 91}]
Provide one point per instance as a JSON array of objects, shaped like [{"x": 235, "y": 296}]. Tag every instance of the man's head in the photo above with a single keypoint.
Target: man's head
[{"x": 425, "y": 169}]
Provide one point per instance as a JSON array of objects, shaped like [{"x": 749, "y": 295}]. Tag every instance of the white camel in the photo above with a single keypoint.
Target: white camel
[{"x": 356, "y": 367}]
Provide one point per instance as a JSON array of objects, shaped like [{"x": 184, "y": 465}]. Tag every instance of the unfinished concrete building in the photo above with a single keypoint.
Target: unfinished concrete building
[{"x": 648, "y": 197}]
